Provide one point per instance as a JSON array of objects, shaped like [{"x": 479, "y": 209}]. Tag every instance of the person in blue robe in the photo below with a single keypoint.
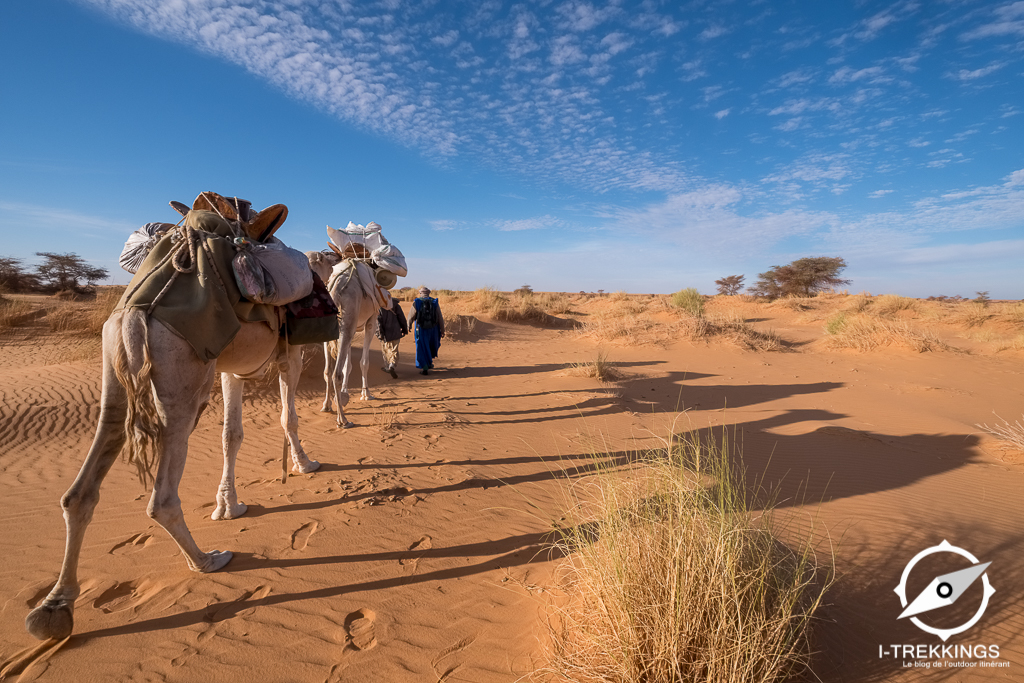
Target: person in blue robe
[{"x": 428, "y": 328}]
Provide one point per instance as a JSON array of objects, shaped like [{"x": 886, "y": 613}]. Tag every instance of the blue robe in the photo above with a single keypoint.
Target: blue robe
[{"x": 427, "y": 341}]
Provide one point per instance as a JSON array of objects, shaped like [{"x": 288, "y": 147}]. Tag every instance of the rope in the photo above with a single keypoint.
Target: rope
[{"x": 184, "y": 259}]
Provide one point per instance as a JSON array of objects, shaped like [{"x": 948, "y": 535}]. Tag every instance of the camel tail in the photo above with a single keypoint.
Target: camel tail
[{"x": 133, "y": 367}]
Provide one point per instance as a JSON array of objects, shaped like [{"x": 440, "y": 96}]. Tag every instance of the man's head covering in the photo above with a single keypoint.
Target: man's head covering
[{"x": 425, "y": 291}]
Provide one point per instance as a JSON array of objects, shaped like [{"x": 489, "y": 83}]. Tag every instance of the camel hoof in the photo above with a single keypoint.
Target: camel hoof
[
  {"x": 306, "y": 467},
  {"x": 50, "y": 620},
  {"x": 326, "y": 409},
  {"x": 212, "y": 561},
  {"x": 229, "y": 511},
  {"x": 367, "y": 397},
  {"x": 347, "y": 424}
]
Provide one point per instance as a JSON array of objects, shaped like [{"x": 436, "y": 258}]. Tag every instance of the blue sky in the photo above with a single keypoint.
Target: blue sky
[{"x": 637, "y": 146}]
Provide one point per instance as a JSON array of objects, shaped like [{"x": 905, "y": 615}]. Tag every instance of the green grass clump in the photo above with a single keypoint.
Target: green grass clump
[{"x": 690, "y": 300}]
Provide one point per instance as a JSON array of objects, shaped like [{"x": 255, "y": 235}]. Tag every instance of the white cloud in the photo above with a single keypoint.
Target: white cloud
[
  {"x": 1009, "y": 21},
  {"x": 722, "y": 114},
  {"x": 538, "y": 223},
  {"x": 878, "y": 194},
  {"x": 970, "y": 75}
]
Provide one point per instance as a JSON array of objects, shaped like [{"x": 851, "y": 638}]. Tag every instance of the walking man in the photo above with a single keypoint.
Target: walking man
[
  {"x": 391, "y": 327},
  {"x": 428, "y": 326}
]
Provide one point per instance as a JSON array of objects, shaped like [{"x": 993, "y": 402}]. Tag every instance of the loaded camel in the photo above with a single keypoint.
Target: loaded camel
[
  {"x": 357, "y": 309},
  {"x": 154, "y": 388}
]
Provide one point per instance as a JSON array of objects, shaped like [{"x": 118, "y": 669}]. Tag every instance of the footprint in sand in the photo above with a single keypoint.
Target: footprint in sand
[
  {"x": 425, "y": 543},
  {"x": 361, "y": 632},
  {"x": 300, "y": 537},
  {"x": 130, "y": 544},
  {"x": 118, "y": 597}
]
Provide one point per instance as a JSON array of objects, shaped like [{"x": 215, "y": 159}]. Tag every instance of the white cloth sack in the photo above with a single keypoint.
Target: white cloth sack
[
  {"x": 380, "y": 251},
  {"x": 140, "y": 243},
  {"x": 272, "y": 273}
]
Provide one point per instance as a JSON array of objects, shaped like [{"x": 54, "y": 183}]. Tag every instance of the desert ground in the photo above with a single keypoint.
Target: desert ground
[{"x": 420, "y": 551}]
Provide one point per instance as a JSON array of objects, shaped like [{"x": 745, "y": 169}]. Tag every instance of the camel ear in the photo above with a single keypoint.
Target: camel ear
[{"x": 267, "y": 222}]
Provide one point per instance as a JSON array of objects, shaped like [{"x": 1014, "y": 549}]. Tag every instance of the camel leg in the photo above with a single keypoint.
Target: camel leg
[
  {"x": 328, "y": 405},
  {"x": 342, "y": 371},
  {"x": 54, "y": 617},
  {"x": 288, "y": 379},
  {"x": 181, "y": 383},
  {"x": 228, "y": 505},
  {"x": 364, "y": 360}
]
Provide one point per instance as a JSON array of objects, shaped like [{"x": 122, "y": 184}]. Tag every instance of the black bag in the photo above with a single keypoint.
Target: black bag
[{"x": 427, "y": 314}]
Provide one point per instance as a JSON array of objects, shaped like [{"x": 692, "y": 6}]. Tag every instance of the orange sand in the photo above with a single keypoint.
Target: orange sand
[{"x": 415, "y": 553}]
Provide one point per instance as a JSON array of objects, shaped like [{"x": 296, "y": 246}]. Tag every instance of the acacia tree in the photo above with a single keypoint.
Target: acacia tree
[
  {"x": 730, "y": 285},
  {"x": 66, "y": 271},
  {"x": 803, "y": 277},
  {"x": 13, "y": 278}
]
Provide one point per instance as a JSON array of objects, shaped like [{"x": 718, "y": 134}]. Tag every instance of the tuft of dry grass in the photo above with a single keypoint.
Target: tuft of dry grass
[
  {"x": 634, "y": 330},
  {"x": 671, "y": 576},
  {"x": 970, "y": 314},
  {"x": 1011, "y": 434},
  {"x": 87, "y": 319},
  {"x": 386, "y": 417},
  {"x": 459, "y": 326},
  {"x": 13, "y": 313},
  {"x": 732, "y": 328},
  {"x": 600, "y": 369},
  {"x": 65, "y": 318},
  {"x": 863, "y": 333},
  {"x": 888, "y": 305}
]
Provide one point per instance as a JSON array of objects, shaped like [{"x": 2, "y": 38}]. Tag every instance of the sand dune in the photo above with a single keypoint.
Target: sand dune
[{"x": 417, "y": 552}]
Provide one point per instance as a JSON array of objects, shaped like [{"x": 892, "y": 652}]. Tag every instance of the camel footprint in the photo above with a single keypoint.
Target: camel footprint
[
  {"x": 425, "y": 543},
  {"x": 131, "y": 544},
  {"x": 118, "y": 597},
  {"x": 300, "y": 537},
  {"x": 362, "y": 633}
]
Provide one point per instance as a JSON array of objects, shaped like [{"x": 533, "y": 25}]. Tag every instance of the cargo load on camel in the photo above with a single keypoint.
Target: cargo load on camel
[{"x": 219, "y": 266}]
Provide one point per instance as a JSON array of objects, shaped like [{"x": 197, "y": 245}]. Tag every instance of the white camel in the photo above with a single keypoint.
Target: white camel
[
  {"x": 356, "y": 309},
  {"x": 154, "y": 377}
]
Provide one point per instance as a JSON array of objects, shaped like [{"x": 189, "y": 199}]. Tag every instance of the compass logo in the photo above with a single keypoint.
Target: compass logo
[{"x": 944, "y": 590}]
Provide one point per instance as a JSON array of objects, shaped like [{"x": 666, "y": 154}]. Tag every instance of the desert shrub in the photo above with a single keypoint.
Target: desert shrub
[
  {"x": 982, "y": 298},
  {"x": 553, "y": 303},
  {"x": 690, "y": 300},
  {"x": 1011, "y": 434},
  {"x": 517, "y": 309},
  {"x": 865, "y": 333},
  {"x": 13, "y": 313},
  {"x": 459, "y": 326},
  {"x": 670, "y": 576},
  {"x": 858, "y": 303},
  {"x": 599, "y": 368},
  {"x": 835, "y": 323},
  {"x": 803, "y": 277},
  {"x": 731, "y": 328},
  {"x": 635, "y": 330},
  {"x": 1014, "y": 313},
  {"x": 65, "y": 318},
  {"x": 970, "y": 314},
  {"x": 731, "y": 285},
  {"x": 890, "y": 304}
]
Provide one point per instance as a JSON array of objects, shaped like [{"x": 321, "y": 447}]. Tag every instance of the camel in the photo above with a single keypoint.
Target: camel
[
  {"x": 357, "y": 309},
  {"x": 155, "y": 379}
]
